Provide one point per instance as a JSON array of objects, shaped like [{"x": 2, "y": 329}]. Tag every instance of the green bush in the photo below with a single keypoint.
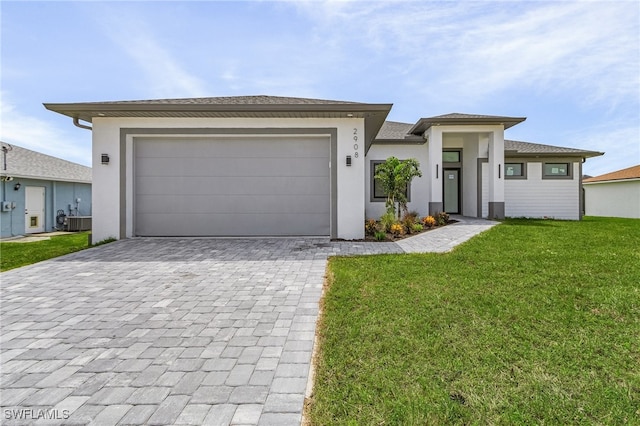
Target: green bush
[
  {"x": 386, "y": 220},
  {"x": 408, "y": 220},
  {"x": 380, "y": 236},
  {"x": 417, "y": 227}
]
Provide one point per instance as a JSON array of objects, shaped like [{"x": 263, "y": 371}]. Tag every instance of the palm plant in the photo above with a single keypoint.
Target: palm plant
[{"x": 395, "y": 176}]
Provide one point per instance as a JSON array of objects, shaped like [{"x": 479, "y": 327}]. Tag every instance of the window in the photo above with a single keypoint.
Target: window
[
  {"x": 450, "y": 156},
  {"x": 377, "y": 193},
  {"x": 515, "y": 171},
  {"x": 556, "y": 171}
]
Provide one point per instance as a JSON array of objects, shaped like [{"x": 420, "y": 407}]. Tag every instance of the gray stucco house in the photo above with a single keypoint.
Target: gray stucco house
[
  {"x": 36, "y": 188},
  {"x": 282, "y": 166}
]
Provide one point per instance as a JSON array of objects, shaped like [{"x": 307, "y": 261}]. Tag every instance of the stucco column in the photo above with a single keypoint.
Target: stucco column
[
  {"x": 496, "y": 174},
  {"x": 434, "y": 169}
]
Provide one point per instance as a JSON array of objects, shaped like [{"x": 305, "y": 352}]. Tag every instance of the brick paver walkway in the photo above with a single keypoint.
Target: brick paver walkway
[{"x": 171, "y": 331}]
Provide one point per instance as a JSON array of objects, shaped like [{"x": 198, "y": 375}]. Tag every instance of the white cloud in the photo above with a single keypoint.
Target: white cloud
[
  {"x": 473, "y": 49},
  {"x": 164, "y": 75},
  {"x": 43, "y": 136},
  {"x": 591, "y": 47}
]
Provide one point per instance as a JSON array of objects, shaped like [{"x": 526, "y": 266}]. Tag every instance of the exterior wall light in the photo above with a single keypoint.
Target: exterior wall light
[
  {"x": 17, "y": 186},
  {"x": 348, "y": 160},
  {"x": 105, "y": 158}
]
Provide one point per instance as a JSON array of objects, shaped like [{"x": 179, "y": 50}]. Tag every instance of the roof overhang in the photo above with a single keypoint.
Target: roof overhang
[
  {"x": 595, "y": 182},
  {"x": 408, "y": 140},
  {"x": 52, "y": 178},
  {"x": 579, "y": 154},
  {"x": 373, "y": 114},
  {"x": 425, "y": 123}
]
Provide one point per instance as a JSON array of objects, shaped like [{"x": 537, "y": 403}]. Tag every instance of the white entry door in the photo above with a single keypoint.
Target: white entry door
[{"x": 34, "y": 209}]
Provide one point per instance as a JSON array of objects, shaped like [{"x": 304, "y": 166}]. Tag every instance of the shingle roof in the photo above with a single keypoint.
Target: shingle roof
[
  {"x": 233, "y": 100},
  {"x": 464, "y": 119},
  {"x": 393, "y": 131},
  {"x": 632, "y": 172},
  {"x": 230, "y": 107},
  {"x": 25, "y": 163},
  {"x": 225, "y": 107},
  {"x": 529, "y": 148},
  {"x": 459, "y": 116}
]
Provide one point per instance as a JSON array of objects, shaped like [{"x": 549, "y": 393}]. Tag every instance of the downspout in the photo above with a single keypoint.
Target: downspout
[
  {"x": 54, "y": 222},
  {"x": 581, "y": 200},
  {"x": 76, "y": 123}
]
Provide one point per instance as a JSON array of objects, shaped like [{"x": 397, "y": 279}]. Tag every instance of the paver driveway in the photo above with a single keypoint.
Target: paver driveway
[
  {"x": 165, "y": 331},
  {"x": 172, "y": 331}
]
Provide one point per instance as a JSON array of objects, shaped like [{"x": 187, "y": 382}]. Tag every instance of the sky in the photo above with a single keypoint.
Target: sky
[{"x": 571, "y": 67}]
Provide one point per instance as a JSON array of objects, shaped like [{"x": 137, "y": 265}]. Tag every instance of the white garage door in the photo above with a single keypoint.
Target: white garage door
[{"x": 232, "y": 186}]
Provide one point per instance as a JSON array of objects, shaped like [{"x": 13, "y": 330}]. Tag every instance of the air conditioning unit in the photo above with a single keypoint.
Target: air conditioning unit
[{"x": 77, "y": 223}]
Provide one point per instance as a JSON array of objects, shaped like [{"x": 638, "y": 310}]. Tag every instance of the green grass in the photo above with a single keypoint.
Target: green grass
[
  {"x": 533, "y": 322},
  {"x": 15, "y": 255}
]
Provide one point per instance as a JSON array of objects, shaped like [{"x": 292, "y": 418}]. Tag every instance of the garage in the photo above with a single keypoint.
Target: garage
[{"x": 232, "y": 186}]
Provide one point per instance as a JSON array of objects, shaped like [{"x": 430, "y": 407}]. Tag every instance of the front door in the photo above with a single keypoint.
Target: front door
[
  {"x": 451, "y": 191},
  {"x": 34, "y": 209}
]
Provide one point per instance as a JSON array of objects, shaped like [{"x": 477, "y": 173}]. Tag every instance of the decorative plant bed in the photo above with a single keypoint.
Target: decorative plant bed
[
  {"x": 394, "y": 176},
  {"x": 388, "y": 228}
]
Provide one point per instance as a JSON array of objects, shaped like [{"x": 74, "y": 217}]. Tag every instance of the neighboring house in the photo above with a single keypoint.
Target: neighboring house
[
  {"x": 615, "y": 194},
  {"x": 266, "y": 165},
  {"x": 35, "y": 188}
]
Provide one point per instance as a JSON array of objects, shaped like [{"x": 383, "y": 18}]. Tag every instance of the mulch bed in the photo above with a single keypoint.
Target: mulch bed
[{"x": 393, "y": 237}]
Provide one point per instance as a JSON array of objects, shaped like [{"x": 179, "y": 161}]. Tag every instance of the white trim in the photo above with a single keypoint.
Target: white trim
[{"x": 611, "y": 181}]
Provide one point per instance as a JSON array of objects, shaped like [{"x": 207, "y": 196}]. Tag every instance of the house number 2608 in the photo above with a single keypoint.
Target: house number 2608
[{"x": 355, "y": 145}]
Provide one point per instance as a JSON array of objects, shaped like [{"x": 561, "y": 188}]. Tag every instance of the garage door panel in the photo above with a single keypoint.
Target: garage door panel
[
  {"x": 254, "y": 147},
  {"x": 208, "y": 185},
  {"x": 225, "y": 225},
  {"x": 230, "y": 204},
  {"x": 240, "y": 186},
  {"x": 232, "y": 167}
]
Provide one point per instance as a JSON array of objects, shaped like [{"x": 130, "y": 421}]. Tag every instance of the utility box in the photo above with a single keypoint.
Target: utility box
[
  {"x": 6, "y": 206},
  {"x": 77, "y": 223}
]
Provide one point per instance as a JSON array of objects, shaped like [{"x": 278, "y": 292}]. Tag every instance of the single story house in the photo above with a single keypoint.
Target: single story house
[
  {"x": 615, "y": 194},
  {"x": 267, "y": 165},
  {"x": 38, "y": 191}
]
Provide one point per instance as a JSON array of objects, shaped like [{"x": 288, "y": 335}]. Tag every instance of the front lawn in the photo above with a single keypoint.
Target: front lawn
[
  {"x": 532, "y": 322},
  {"x": 14, "y": 255}
]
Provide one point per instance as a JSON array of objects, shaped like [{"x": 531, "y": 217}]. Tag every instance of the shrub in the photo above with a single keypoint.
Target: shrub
[
  {"x": 386, "y": 220},
  {"x": 442, "y": 218},
  {"x": 397, "y": 229},
  {"x": 370, "y": 226},
  {"x": 429, "y": 221},
  {"x": 417, "y": 227},
  {"x": 409, "y": 219},
  {"x": 412, "y": 215},
  {"x": 380, "y": 236}
]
